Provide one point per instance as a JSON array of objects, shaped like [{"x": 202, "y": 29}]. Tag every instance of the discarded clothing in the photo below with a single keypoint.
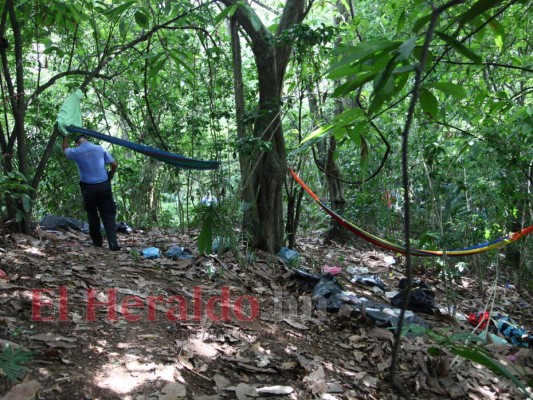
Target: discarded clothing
[
  {"x": 516, "y": 335},
  {"x": 178, "y": 253}
]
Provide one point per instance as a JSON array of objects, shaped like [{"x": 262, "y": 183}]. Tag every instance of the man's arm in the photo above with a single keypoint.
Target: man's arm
[{"x": 112, "y": 169}]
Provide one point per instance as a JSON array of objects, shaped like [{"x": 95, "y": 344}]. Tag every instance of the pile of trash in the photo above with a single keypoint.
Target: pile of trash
[{"x": 499, "y": 325}]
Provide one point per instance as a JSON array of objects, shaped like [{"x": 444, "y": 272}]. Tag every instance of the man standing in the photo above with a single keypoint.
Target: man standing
[{"x": 95, "y": 183}]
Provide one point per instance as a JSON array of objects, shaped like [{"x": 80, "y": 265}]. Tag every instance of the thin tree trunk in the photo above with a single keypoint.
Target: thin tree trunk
[{"x": 244, "y": 157}]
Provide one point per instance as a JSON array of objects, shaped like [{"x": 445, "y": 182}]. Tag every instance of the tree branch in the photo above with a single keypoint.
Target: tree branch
[
  {"x": 491, "y": 64},
  {"x": 419, "y": 76}
]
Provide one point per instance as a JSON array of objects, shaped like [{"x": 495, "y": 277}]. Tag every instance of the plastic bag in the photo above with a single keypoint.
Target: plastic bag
[
  {"x": 287, "y": 255},
  {"x": 326, "y": 294},
  {"x": 150, "y": 252},
  {"x": 372, "y": 280},
  {"x": 422, "y": 297}
]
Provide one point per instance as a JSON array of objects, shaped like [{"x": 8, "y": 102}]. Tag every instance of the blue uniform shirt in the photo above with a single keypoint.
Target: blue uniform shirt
[{"x": 91, "y": 160}]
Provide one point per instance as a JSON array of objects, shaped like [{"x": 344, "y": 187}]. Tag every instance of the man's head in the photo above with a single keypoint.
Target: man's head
[{"x": 80, "y": 139}]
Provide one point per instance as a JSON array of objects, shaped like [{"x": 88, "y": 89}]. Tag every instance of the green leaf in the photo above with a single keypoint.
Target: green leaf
[
  {"x": 354, "y": 84},
  {"x": 254, "y": 19},
  {"x": 343, "y": 71},
  {"x": 477, "y": 9},
  {"x": 154, "y": 71},
  {"x": 122, "y": 28},
  {"x": 318, "y": 132},
  {"x": 116, "y": 11},
  {"x": 385, "y": 83},
  {"x": 476, "y": 354},
  {"x": 400, "y": 23},
  {"x": 354, "y": 133},
  {"x": 141, "y": 19},
  {"x": 429, "y": 103},
  {"x": 406, "y": 48},
  {"x": 456, "y": 91},
  {"x": 306, "y": 146},
  {"x": 183, "y": 62},
  {"x": 348, "y": 116},
  {"x": 421, "y": 22},
  {"x": 205, "y": 239},
  {"x": 338, "y": 132},
  {"x": 499, "y": 33},
  {"x": 404, "y": 69},
  {"x": 11, "y": 360},
  {"x": 26, "y": 203},
  {"x": 526, "y": 129},
  {"x": 227, "y": 12},
  {"x": 460, "y": 47},
  {"x": 365, "y": 50},
  {"x": 434, "y": 351}
]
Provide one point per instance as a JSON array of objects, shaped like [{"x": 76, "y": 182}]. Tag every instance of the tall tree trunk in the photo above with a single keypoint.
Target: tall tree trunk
[
  {"x": 268, "y": 169},
  {"x": 244, "y": 156},
  {"x": 18, "y": 106}
]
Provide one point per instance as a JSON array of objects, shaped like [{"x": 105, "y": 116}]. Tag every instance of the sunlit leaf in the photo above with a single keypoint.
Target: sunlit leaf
[
  {"x": 349, "y": 115},
  {"x": 306, "y": 146},
  {"x": 318, "y": 132},
  {"x": 364, "y": 50},
  {"x": 499, "y": 33}
]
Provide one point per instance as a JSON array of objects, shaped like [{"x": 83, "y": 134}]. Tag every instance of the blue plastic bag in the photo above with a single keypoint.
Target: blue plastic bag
[
  {"x": 150, "y": 252},
  {"x": 287, "y": 255}
]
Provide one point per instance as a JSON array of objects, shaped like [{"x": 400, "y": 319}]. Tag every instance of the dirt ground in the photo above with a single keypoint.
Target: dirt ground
[{"x": 114, "y": 325}]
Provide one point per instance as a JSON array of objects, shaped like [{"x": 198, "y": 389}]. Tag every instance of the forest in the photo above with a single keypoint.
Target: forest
[{"x": 345, "y": 132}]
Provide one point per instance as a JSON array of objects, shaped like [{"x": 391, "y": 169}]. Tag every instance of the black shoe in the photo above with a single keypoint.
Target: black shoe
[
  {"x": 114, "y": 248},
  {"x": 97, "y": 244}
]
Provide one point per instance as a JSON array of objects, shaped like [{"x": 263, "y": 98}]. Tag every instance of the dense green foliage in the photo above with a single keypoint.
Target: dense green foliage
[{"x": 161, "y": 74}]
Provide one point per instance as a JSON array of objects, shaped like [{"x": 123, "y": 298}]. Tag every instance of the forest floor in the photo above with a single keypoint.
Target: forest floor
[{"x": 159, "y": 332}]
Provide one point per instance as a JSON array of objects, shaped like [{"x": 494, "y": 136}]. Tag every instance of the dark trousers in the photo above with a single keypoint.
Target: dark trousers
[{"x": 99, "y": 203}]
